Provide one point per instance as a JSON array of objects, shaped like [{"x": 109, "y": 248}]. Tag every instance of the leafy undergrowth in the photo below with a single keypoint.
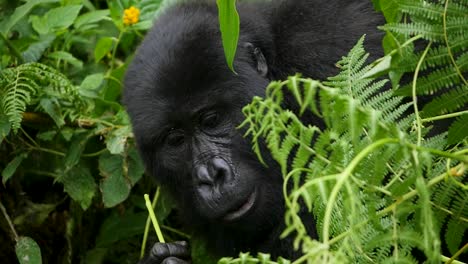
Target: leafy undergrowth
[{"x": 378, "y": 183}]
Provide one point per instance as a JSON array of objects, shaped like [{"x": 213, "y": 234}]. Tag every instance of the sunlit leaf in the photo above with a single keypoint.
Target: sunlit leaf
[
  {"x": 229, "y": 25},
  {"x": 27, "y": 251}
]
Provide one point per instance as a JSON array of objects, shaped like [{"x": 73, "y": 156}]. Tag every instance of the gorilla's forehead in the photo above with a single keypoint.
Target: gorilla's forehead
[
  {"x": 181, "y": 52},
  {"x": 180, "y": 68}
]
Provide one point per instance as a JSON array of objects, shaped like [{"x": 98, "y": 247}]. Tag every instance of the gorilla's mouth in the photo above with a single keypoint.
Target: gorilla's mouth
[{"x": 238, "y": 212}]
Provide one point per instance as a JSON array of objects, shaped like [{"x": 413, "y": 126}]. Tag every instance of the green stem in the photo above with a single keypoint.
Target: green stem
[
  {"x": 10, "y": 223},
  {"x": 458, "y": 253},
  {"x": 153, "y": 217},
  {"x": 147, "y": 225},
  {"x": 29, "y": 137},
  {"x": 94, "y": 154},
  {"x": 415, "y": 98},
  {"x": 175, "y": 231},
  {"x": 455, "y": 156},
  {"x": 449, "y": 50},
  {"x": 342, "y": 179},
  {"x": 51, "y": 151},
  {"x": 441, "y": 117},
  {"x": 390, "y": 208}
]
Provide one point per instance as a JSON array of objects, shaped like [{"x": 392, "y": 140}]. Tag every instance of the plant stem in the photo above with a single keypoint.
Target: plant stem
[
  {"x": 342, "y": 179},
  {"x": 452, "y": 259},
  {"x": 440, "y": 117},
  {"x": 415, "y": 98},
  {"x": 94, "y": 154},
  {"x": 10, "y": 223},
  {"x": 147, "y": 225},
  {"x": 449, "y": 50},
  {"x": 149, "y": 206}
]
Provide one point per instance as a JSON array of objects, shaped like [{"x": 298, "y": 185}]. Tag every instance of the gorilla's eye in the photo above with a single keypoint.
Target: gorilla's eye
[
  {"x": 209, "y": 120},
  {"x": 175, "y": 138}
]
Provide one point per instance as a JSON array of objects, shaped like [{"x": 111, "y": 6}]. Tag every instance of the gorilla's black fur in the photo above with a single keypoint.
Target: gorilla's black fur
[{"x": 185, "y": 104}]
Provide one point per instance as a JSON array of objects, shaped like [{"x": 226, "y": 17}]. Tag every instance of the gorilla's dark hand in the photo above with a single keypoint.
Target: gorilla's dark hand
[{"x": 168, "y": 253}]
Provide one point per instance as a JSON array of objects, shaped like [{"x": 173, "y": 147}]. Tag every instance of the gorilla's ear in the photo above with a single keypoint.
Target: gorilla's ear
[{"x": 259, "y": 59}]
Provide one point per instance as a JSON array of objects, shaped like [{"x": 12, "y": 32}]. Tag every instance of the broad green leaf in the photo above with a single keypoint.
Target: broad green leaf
[
  {"x": 80, "y": 185},
  {"x": 229, "y": 25},
  {"x": 113, "y": 88},
  {"x": 103, "y": 46},
  {"x": 92, "y": 17},
  {"x": 56, "y": 19},
  {"x": 27, "y": 251},
  {"x": 135, "y": 166},
  {"x": 382, "y": 65},
  {"x": 115, "y": 185},
  {"x": 120, "y": 174},
  {"x": 90, "y": 85},
  {"x": 143, "y": 25},
  {"x": 40, "y": 25},
  {"x": 52, "y": 108},
  {"x": 117, "y": 140},
  {"x": 389, "y": 8},
  {"x": 120, "y": 227},
  {"x": 92, "y": 81},
  {"x": 11, "y": 167},
  {"x": 20, "y": 12},
  {"x": 75, "y": 150},
  {"x": 66, "y": 56},
  {"x": 36, "y": 49}
]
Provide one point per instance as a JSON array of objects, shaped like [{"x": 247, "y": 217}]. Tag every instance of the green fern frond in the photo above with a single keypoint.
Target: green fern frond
[
  {"x": 462, "y": 62},
  {"x": 432, "y": 32},
  {"x": 448, "y": 102},
  {"x": 433, "y": 82},
  {"x": 23, "y": 84},
  {"x": 354, "y": 203},
  {"x": 457, "y": 131},
  {"x": 457, "y": 25},
  {"x": 424, "y": 9}
]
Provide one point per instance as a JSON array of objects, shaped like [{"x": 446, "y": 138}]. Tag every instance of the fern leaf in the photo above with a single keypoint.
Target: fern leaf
[
  {"x": 462, "y": 62},
  {"x": 448, "y": 102},
  {"x": 31, "y": 80},
  {"x": 457, "y": 131},
  {"x": 16, "y": 95},
  {"x": 423, "y": 9},
  {"x": 454, "y": 234},
  {"x": 432, "y": 32},
  {"x": 435, "y": 81},
  {"x": 457, "y": 25}
]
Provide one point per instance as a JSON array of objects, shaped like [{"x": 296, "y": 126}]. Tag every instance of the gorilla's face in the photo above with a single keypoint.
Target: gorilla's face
[
  {"x": 199, "y": 148},
  {"x": 185, "y": 105}
]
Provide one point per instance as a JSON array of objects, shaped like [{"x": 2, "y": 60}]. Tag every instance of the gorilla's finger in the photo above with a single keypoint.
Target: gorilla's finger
[
  {"x": 160, "y": 251},
  {"x": 174, "y": 260}
]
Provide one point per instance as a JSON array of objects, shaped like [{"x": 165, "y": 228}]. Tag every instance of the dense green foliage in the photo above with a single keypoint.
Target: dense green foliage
[
  {"x": 377, "y": 182},
  {"x": 68, "y": 161}
]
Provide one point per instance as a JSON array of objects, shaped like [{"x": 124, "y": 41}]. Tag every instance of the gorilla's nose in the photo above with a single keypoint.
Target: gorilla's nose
[{"x": 212, "y": 174}]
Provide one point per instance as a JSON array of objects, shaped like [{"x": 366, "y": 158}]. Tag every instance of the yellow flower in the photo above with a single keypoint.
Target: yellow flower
[{"x": 131, "y": 16}]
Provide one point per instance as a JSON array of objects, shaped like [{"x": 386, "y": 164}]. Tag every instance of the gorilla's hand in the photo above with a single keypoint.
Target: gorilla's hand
[{"x": 168, "y": 253}]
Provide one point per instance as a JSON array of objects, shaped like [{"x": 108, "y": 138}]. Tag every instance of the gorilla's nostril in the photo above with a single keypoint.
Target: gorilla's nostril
[
  {"x": 221, "y": 169},
  {"x": 212, "y": 174},
  {"x": 202, "y": 176}
]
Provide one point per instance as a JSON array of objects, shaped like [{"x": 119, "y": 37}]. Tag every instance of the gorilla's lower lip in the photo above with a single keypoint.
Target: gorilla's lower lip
[{"x": 240, "y": 211}]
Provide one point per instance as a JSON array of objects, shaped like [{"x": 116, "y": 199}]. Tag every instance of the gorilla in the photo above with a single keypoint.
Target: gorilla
[{"x": 185, "y": 104}]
